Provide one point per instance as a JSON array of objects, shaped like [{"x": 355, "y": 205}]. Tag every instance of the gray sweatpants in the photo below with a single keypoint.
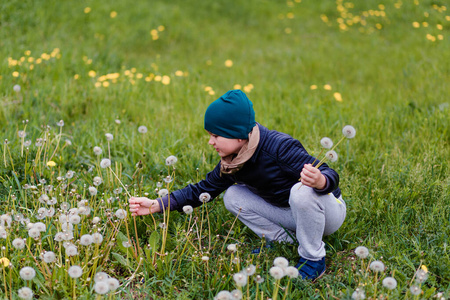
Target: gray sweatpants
[{"x": 309, "y": 217}]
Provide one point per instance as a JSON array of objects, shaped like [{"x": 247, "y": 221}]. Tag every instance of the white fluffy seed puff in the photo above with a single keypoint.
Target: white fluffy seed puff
[
  {"x": 75, "y": 271},
  {"x": 27, "y": 273},
  {"x": 105, "y": 163},
  {"x": 25, "y": 293}
]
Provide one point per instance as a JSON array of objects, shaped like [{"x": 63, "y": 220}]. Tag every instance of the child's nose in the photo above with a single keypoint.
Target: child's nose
[{"x": 211, "y": 142}]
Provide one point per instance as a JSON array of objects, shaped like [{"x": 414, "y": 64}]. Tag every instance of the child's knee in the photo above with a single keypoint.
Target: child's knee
[
  {"x": 302, "y": 197},
  {"x": 233, "y": 198}
]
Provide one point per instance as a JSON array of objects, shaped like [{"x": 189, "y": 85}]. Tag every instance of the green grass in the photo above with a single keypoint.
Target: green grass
[{"x": 394, "y": 174}]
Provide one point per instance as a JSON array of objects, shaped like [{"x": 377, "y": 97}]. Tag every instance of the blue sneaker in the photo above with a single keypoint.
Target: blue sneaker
[
  {"x": 267, "y": 246},
  {"x": 309, "y": 269}
]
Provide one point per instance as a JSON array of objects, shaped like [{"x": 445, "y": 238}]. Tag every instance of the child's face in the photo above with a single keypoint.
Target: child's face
[{"x": 225, "y": 146}]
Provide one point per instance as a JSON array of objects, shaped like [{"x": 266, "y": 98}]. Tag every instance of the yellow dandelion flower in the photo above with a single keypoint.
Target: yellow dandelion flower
[
  {"x": 398, "y": 5},
  {"x": 139, "y": 75},
  {"x": 30, "y": 59},
  {"x": 327, "y": 87},
  {"x": 179, "y": 73},
  {"x": 426, "y": 14},
  {"x": 440, "y": 37},
  {"x": 290, "y": 15},
  {"x": 228, "y": 63},
  {"x": 113, "y": 14},
  {"x": 161, "y": 28},
  {"x": 76, "y": 76},
  {"x": 155, "y": 37},
  {"x": 31, "y": 67},
  {"x": 4, "y": 262},
  {"x": 165, "y": 80},
  {"x": 127, "y": 72},
  {"x": 92, "y": 73},
  {"x": 15, "y": 74},
  {"x": 133, "y": 70},
  {"x": 416, "y": 2},
  {"x": 298, "y": 1},
  {"x": 154, "y": 32},
  {"x": 338, "y": 96},
  {"x": 150, "y": 77},
  {"x": 27, "y": 53},
  {"x": 378, "y": 26},
  {"x": 439, "y": 27},
  {"x": 423, "y": 267},
  {"x": 343, "y": 27},
  {"x": 431, "y": 37},
  {"x": 89, "y": 61},
  {"x": 87, "y": 10},
  {"x": 1, "y": 76},
  {"x": 416, "y": 24},
  {"x": 105, "y": 84},
  {"x": 313, "y": 87},
  {"x": 51, "y": 163},
  {"x": 425, "y": 24},
  {"x": 208, "y": 88},
  {"x": 22, "y": 59},
  {"x": 381, "y": 6},
  {"x": 447, "y": 18},
  {"x": 382, "y": 13},
  {"x": 158, "y": 78},
  {"x": 237, "y": 87},
  {"x": 288, "y": 30},
  {"x": 98, "y": 84},
  {"x": 324, "y": 18},
  {"x": 112, "y": 75},
  {"x": 248, "y": 88},
  {"x": 211, "y": 92}
]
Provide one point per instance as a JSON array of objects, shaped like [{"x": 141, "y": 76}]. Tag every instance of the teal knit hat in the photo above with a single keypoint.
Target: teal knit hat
[{"x": 231, "y": 116}]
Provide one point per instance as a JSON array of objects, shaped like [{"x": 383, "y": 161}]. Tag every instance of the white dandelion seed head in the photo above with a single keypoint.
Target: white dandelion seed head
[
  {"x": 109, "y": 136},
  {"x": 359, "y": 294},
  {"x": 113, "y": 283},
  {"x": 52, "y": 201},
  {"x": 389, "y": 283},
  {"x": 71, "y": 250},
  {"x": 101, "y": 276},
  {"x": 27, "y": 273},
  {"x": 68, "y": 142},
  {"x": 326, "y": 142},
  {"x": 96, "y": 220},
  {"x": 18, "y": 243},
  {"x": 188, "y": 209},
  {"x": 291, "y": 272},
  {"x": 40, "y": 226},
  {"x": 6, "y": 218},
  {"x": 97, "y": 238},
  {"x": 29, "y": 225},
  {"x": 43, "y": 198},
  {"x": 232, "y": 247},
  {"x": 376, "y": 266},
  {"x": 171, "y": 160},
  {"x": 236, "y": 294},
  {"x": 281, "y": 262},
  {"x": 25, "y": 293},
  {"x": 118, "y": 190},
  {"x": 121, "y": 213},
  {"x": 27, "y": 143},
  {"x": 163, "y": 192},
  {"x": 34, "y": 233},
  {"x": 349, "y": 131},
  {"x": 259, "y": 279},
  {"x": 16, "y": 88},
  {"x": 240, "y": 279},
  {"x": 75, "y": 271},
  {"x": 250, "y": 270},
  {"x": 127, "y": 244},
  {"x": 97, "y": 150},
  {"x": 74, "y": 219},
  {"x": 66, "y": 226},
  {"x": 331, "y": 156},
  {"x": 117, "y": 121},
  {"x": 64, "y": 206},
  {"x": 168, "y": 179},
  {"x": 105, "y": 163},
  {"x": 162, "y": 225},
  {"x": 97, "y": 180},
  {"x": 59, "y": 237},
  {"x": 21, "y": 134},
  {"x": 70, "y": 174},
  {"x": 86, "y": 239},
  {"x": 3, "y": 234},
  {"x": 82, "y": 210},
  {"x": 421, "y": 276},
  {"x": 204, "y": 197},
  {"x": 49, "y": 257},
  {"x": 276, "y": 272},
  {"x": 142, "y": 129},
  {"x": 223, "y": 295},
  {"x": 67, "y": 236},
  {"x": 415, "y": 290},
  {"x": 205, "y": 258},
  {"x": 60, "y": 123},
  {"x": 92, "y": 190},
  {"x": 101, "y": 287}
]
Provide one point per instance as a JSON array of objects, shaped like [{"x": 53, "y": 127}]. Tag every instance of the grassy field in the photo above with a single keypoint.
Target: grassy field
[{"x": 309, "y": 67}]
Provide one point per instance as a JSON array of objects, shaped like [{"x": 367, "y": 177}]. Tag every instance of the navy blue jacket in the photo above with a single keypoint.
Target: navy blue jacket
[{"x": 270, "y": 173}]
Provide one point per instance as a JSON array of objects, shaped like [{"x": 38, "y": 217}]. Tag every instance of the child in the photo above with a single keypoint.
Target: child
[{"x": 260, "y": 170}]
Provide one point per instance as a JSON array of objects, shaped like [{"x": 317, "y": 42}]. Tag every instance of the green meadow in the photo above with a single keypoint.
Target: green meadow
[{"x": 73, "y": 71}]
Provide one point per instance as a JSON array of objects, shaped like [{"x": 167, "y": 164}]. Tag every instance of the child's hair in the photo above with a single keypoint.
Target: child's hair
[{"x": 231, "y": 116}]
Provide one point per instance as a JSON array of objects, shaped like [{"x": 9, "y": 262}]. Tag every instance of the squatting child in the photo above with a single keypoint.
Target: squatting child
[{"x": 260, "y": 170}]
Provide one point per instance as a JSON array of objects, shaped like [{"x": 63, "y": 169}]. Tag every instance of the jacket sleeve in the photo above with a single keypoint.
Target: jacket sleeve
[
  {"x": 214, "y": 184},
  {"x": 292, "y": 156}
]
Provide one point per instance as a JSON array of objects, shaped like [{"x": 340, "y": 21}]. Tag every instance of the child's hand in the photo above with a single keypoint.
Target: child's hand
[
  {"x": 141, "y": 206},
  {"x": 312, "y": 177}
]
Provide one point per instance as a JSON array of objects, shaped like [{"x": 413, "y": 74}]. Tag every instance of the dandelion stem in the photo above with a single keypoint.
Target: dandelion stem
[{"x": 232, "y": 225}]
